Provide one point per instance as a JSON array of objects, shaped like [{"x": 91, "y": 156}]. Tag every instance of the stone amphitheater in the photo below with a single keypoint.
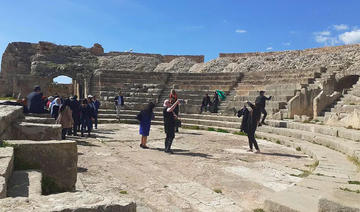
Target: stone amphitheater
[{"x": 310, "y": 145}]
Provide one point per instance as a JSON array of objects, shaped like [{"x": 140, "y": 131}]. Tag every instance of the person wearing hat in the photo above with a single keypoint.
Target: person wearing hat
[
  {"x": 169, "y": 123},
  {"x": 260, "y": 102},
  {"x": 35, "y": 104}
]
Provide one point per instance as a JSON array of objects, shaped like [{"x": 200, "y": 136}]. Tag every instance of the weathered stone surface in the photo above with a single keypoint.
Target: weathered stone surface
[
  {"x": 33, "y": 131},
  {"x": 345, "y": 202},
  {"x": 69, "y": 202},
  {"x": 9, "y": 115},
  {"x": 177, "y": 65},
  {"x": 57, "y": 160},
  {"x": 6, "y": 168},
  {"x": 97, "y": 49},
  {"x": 349, "y": 120}
]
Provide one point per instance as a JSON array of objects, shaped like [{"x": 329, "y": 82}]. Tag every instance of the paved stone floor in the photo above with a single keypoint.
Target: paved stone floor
[{"x": 210, "y": 171}]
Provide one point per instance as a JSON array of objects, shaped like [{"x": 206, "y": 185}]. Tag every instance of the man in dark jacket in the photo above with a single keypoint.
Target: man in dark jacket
[
  {"x": 252, "y": 123},
  {"x": 205, "y": 103},
  {"x": 119, "y": 103},
  {"x": 260, "y": 102},
  {"x": 35, "y": 104},
  {"x": 75, "y": 108},
  {"x": 97, "y": 106},
  {"x": 169, "y": 124},
  {"x": 244, "y": 112}
]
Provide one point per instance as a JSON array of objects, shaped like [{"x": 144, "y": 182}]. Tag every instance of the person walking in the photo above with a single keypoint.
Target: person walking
[
  {"x": 55, "y": 108},
  {"x": 169, "y": 123},
  {"x": 65, "y": 118},
  {"x": 252, "y": 123},
  {"x": 119, "y": 103},
  {"x": 260, "y": 101},
  {"x": 97, "y": 106},
  {"x": 205, "y": 103},
  {"x": 145, "y": 117}
]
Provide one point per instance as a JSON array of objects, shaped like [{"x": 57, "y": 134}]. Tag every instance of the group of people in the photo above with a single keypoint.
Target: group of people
[
  {"x": 171, "y": 120},
  {"x": 73, "y": 115},
  {"x": 213, "y": 105},
  {"x": 250, "y": 121}
]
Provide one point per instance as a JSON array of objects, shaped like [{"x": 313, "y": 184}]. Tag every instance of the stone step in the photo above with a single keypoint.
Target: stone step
[
  {"x": 34, "y": 131},
  {"x": 345, "y": 146},
  {"x": 40, "y": 120},
  {"x": 9, "y": 115},
  {"x": 6, "y": 168},
  {"x": 281, "y": 98},
  {"x": 332, "y": 172},
  {"x": 274, "y": 93},
  {"x": 345, "y": 108},
  {"x": 25, "y": 184}
]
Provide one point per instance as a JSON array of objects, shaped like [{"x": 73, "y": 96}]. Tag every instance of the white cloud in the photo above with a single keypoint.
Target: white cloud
[
  {"x": 269, "y": 48},
  {"x": 350, "y": 37},
  {"x": 325, "y": 38},
  {"x": 286, "y": 43},
  {"x": 240, "y": 31},
  {"x": 340, "y": 27}
]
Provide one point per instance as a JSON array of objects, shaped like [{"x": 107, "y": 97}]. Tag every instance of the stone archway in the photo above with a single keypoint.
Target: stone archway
[{"x": 61, "y": 85}]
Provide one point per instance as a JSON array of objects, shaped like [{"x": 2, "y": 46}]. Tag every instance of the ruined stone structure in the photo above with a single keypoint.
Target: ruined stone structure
[{"x": 314, "y": 109}]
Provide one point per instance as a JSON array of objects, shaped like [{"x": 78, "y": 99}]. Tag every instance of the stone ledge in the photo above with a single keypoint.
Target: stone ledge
[
  {"x": 8, "y": 115},
  {"x": 57, "y": 161},
  {"x": 68, "y": 202},
  {"x": 33, "y": 131},
  {"x": 6, "y": 168}
]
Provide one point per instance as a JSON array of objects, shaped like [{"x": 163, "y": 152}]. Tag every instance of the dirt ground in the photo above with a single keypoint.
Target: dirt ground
[{"x": 210, "y": 171}]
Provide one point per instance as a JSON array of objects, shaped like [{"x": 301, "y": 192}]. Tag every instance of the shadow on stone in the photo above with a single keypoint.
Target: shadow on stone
[
  {"x": 85, "y": 143},
  {"x": 81, "y": 169},
  {"x": 282, "y": 155}
]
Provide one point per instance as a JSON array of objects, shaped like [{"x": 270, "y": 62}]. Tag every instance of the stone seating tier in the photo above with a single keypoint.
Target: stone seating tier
[{"x": 25, "y": 183}]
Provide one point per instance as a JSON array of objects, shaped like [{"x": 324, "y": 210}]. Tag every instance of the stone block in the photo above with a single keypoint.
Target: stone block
[
  {"x": 340, "y": 204},
  {"x": 70, "y": 202},
  {"x": 57, "y": 161},
  {"x": 297, "y": 118},
  {"x": 6, "y": 168},
  {"x": 25, "y": 183},
  {"x": 305, "y": 118},
  {"x": 9, "y": 115},
  {"x": 33, "y": 131},
  {"x": 3, "y": 187}
]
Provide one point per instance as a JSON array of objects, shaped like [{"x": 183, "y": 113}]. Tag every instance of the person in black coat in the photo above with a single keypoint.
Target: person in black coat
[
  {"x": 244, "y": 112},
  {"x": 215, "y": 103},
  {"x": 260, "y": 101},
  {"x": 86, "y": 114},
  {"x": 205, "y": 103},
  {"x": 252, "y": 123},
  {"x": 75, "y": 108},
  {"x": 35, "y": 104},
  {"x": 169, "y": 123}
]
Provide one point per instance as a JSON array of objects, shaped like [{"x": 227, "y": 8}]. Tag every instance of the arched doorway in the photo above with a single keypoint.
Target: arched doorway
[{"x": 61, "y": 86}]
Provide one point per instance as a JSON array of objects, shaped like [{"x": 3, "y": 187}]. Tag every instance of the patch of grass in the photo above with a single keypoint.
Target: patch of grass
[
  {"x": 350, "y": 190},
  {"x": 349, "y": 127},
  {"x": 351, "y": 103},
  {"x": 216, "y": 190},
  {"x": 316, "y": 120},
  {"x": 354, "y": 182},
  {"x": 222, "y": 130},
  {"x": 258, "y": 210},
  {"x": 306, "y": 122},
  {"x": 278, "y": 142},
  {"x": 298, "y": 148},
  {"x": 354, "y": 160},
  {"x": 6, "y": 144},
  {"x": 211, "y": 129},
  {"x": 123, "y": 192},
  {"x": 191, "y": 127},
  {"x": 240, "y": 133},
  {"x": 7, "y": 98}
]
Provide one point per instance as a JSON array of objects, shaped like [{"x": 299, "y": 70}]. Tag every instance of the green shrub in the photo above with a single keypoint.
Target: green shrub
[
  {"x": 240, "y": 133},
  {"x": 211, "y": 129},
  {"x": 222, "y": 130},
  {"x": 298, "y": 148},
  {"x": 216, "y": 190}
]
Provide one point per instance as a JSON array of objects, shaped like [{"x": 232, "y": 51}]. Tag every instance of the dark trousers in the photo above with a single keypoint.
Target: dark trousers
[
  {"x": 86, "y": 123},
  {"x": 263, "y": 111},
  {"x": 202, "y": 107},
  {"x": 170, "y": 135},
  {"x": 63, "y": 132},
  {"x": 252, "y": 140}
]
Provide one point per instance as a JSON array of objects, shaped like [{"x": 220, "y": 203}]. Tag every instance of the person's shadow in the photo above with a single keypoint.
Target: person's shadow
[
  {"x": 282, "y": 154},
  {"x": 185, "y": 152}
]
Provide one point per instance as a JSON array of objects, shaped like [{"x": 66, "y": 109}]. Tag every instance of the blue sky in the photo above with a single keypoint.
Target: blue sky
[{"x": 205, "y": 27}]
